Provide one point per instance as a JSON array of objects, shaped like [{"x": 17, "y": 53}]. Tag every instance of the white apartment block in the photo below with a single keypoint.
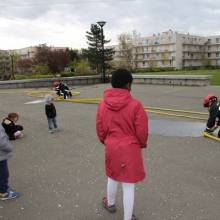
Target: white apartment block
[
  {"x": 24, "y": 53},
  {"x": 212, "y": 49},
  {"x": 174, "y": 50},
  {"x": 29, "y": 52}
]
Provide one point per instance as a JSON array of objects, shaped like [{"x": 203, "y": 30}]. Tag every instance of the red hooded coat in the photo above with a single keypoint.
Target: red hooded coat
[{"x": 122, "y": 125}]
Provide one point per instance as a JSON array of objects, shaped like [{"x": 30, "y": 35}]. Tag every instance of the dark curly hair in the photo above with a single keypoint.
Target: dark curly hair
[{"x": 120, "y": 78}]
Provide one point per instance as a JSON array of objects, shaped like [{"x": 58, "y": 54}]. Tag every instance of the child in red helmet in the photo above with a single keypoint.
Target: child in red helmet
[
  {"x": 211, "y": 102},
  {"x": 62, "y": 89}
]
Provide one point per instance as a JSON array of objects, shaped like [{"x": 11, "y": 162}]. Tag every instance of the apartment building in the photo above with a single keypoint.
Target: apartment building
[
  {"x": 24, "y": 53},
  {"x": 212, "y": 49},
  {"x": 29, "y": 52},
  {"x": 175, "y": 50}
]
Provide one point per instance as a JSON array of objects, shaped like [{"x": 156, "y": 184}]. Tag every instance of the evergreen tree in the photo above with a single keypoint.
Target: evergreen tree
[{"x": 94, "y": 51}]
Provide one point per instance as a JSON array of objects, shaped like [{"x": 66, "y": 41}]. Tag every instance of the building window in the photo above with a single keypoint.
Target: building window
[
  {"x": 145, "y": 49},
  {"x": 217, "y": 40},
  {"x": 217, "y": 54},
  {"x": 209, "y": 47},
  {"x": 209, "y": 54}
]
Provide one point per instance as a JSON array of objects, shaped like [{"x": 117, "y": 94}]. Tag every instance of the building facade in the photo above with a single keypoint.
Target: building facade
[
  {"x": 29, "y": 52},
  {"x": 5, "y": 64},
  {"x": 174, "y": 50},
  {"x": 24, "y": 53},
  {"x": 212, "y": 48}
]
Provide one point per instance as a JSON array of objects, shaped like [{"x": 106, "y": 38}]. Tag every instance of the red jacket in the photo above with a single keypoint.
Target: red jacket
[{"x": 122, "y": 125}]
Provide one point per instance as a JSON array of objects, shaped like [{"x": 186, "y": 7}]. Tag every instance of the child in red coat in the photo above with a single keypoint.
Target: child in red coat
[{"x": 122, "y": 126}]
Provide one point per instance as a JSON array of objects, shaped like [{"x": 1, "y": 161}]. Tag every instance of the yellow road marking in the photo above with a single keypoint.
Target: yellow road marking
[
  {"x": 211, "y": 136},
  {"x": 154, "y": 110}
]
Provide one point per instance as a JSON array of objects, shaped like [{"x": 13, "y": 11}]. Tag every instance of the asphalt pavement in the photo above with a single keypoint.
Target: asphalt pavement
[{"x": 61, "y": 176}]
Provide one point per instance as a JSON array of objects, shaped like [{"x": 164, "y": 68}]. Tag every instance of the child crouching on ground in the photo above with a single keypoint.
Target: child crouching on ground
[
  {"x": 12, "y": 130},
  {"x": 50, "y": 111}
]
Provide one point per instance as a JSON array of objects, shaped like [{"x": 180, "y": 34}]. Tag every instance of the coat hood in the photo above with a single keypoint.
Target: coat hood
[
  {"x": 115, "y": 98},
  {"x": 48, "y": 99}
]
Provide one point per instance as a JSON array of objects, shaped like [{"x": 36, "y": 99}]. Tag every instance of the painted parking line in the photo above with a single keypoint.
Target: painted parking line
[{"x": 35, "y": 102}]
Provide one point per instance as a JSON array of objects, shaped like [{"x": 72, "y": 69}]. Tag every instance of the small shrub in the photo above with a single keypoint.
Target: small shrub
[
  {"x": 42, "y": 69},
  {"x": 65, "y": 74}
]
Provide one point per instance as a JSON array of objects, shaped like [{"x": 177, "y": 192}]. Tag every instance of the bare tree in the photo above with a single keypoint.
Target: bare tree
[
  {"x": 127, "y": 42},
  {"x": 125, "y": 50}
]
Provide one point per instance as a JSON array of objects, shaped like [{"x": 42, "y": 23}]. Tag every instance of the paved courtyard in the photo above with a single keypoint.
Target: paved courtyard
[{"x": 61, "y": 176}]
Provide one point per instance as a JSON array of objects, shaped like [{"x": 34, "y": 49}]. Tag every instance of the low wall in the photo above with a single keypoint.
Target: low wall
[
  {"x": 47, "y": 82},
  {"x": 188, "y": 80},
  {"x": 177, "y": 80}
]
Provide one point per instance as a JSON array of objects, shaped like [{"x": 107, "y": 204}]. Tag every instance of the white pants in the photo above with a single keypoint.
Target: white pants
[{"x": 128, "y": 196}]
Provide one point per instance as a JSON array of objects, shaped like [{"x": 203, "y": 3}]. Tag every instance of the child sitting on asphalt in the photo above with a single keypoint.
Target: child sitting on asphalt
[
  {"x": 12, "y": 130},
  {"x": 5, "y": 153},
  {"x": 50, "y": 111}
]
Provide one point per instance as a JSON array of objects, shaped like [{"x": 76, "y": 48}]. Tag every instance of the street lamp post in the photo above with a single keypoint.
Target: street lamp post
[
  {"x": 12, "y": 66},
  {"x": 101, "y": 24}
]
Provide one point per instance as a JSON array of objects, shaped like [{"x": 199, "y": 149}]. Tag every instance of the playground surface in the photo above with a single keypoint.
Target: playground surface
[{"x": 61, "y": 176}]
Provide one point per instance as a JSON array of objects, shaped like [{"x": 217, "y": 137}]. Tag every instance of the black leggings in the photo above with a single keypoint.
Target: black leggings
[{"x": 4, "y": 175}]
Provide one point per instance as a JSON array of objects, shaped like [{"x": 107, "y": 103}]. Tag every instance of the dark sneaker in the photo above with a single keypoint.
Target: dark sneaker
[
  {"x": 8, "y": 195},
  {"x": 110, "y": 208},
  {"x": 133, "y": 217},
  {"x": 56, "y": 129}
]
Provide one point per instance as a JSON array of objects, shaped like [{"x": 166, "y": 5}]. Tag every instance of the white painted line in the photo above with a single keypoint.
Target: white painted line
[{"x": 35, "y": 102}]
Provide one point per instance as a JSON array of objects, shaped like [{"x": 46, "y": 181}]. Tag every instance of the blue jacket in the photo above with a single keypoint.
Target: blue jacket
[{"x": 5, "y": 145}]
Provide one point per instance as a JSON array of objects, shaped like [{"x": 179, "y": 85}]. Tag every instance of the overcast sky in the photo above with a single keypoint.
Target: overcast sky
[{"x": 65, "y": 22}]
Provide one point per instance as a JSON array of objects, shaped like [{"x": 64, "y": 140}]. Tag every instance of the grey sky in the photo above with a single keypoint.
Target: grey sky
[{"x": 65, "y": 22}]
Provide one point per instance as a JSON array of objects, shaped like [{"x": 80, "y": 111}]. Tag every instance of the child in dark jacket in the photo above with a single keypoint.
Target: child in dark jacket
[
  {"x": 5, "y": 153},
  {"x": 51, "y": 114},
  {"x": 213, "y": 104},
  {"x": 12, "y": 130}
]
